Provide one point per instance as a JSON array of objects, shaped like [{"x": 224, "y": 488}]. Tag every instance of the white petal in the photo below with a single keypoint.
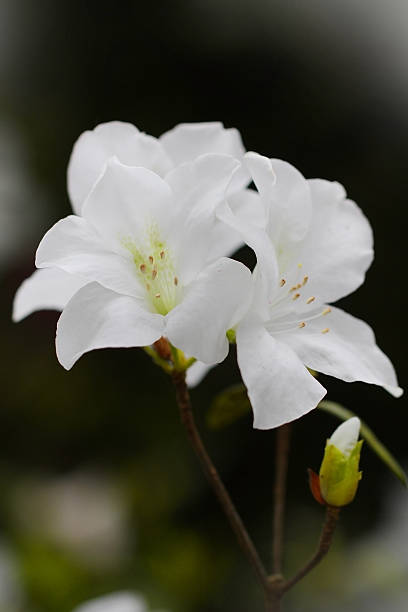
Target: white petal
[
  {"x": 74, "y": 247},
  {"x": 98, "y": 318},
  {"x": 187, "y": 141},
  {"x": 93, "y": 149},
  {"x": 348, "y": 351},
  {"x": 196, "y": 373},
  {"x": 47, "y": 289},
  {"x": 199, "y": 186},
  {"x": 115, "y": 602},
  {"x": 286, "y": 195},
  {"x": 212, "y": 304},
  {"x": 339, "y": 247},
  {"x": 346, "y": 435},
  {"x": 256, "y": 238},
  {"x": 280, "y": 387},
  {"x": 124, "y": 203}
]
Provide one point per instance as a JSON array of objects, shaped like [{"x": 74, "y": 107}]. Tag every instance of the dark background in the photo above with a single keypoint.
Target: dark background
[{"x": 323, "y": 85}]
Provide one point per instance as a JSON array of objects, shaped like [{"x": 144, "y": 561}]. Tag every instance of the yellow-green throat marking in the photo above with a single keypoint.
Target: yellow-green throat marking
[{"x": 156, "y": 270}]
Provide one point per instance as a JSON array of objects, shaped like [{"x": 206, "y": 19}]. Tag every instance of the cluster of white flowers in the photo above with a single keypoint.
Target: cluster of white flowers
[{"x": 147, "y": 253}]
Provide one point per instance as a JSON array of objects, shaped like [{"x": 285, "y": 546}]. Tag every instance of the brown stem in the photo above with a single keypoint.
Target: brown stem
[
  {"x": 281, "y": 470},
  {"x": 187, "y": 418},
  {"x": 326, "y": 537}
]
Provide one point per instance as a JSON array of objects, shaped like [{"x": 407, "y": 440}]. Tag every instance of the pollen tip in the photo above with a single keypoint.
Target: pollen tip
[
  {"x": 157, "y": 295},
  {"x": 283, "y": 282},
  {"x": 325, "y": 330},
  {"x": 296, "y": 296},
  {"x": 302, "y": 324},
  {"x": 310, "y": 300},
  {"x": 326, "y": 310},
  {"x": 142, "y": 268},
  {"x": 305, "y": 280},
  {"x": 154, "y": 274},
  {"x": 151, "y": 259},
  {"x": 162, "y": 255},
  {"x": 176, "y": 281}
]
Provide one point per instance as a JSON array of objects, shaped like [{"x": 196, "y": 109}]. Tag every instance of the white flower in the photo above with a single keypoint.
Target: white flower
[
  {"x": 52, "y": 289},
  {"x": 313, "y": 247},
  {"x": 115, "y": 602},
  {"x": 145, "y": 248}
]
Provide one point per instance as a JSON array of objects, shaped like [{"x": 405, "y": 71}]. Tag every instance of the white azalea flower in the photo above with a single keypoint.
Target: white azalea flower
[
  {"x": 177, "y": 147},
  {"x": 313, "y": 247},
  {"x": 114, "y": 602},
  {"x": 144, "y": 246}
]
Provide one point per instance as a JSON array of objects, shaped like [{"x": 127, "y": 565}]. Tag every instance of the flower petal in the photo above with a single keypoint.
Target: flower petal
[
  {"x": 73, "y": 246},
  {"x": 47, "y": 289},
  {"x": 199, "y": 186},
  {"x": 93, "y": 149},
  {"x": 196, "y": 373},
  {"x": 125, "y": 202},
  {"x": 98, "y": 318},
  {"x": 212, "y": 304},
  {"x": 187, "y": 141},
  {"x": 347, "y": 351},
  {"x": 279, "y": 386},
  {"x": 338, "y": 250},
  {"x": 286, "y": 196}
]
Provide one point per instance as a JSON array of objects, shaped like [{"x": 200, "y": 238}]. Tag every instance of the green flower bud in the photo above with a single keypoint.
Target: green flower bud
[{"x": 339, "y": 474}]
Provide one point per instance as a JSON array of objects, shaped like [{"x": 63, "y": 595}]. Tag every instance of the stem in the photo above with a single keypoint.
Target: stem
[
  {"x": 326, "y": 537},
  {"x": 187, "y": 418},
  {"x": 281, "y": 470}
]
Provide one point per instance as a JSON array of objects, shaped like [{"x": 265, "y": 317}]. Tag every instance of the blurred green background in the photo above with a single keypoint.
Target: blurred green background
[{"x": 99, "y": 488}]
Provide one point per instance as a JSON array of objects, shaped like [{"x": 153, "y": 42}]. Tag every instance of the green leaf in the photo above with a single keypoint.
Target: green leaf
[
  {"x": 228, "y": 406},
  {"x": 369, "y": 436}
]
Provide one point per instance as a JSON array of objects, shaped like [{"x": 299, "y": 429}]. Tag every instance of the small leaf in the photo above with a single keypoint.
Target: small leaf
[
  {"x": 369, "y": 436},
  {"x": 228, "y": 406}
]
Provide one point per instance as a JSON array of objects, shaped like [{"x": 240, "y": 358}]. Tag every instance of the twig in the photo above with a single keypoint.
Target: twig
[
  {"x": 326, "y": 537},
  {"x": 187, "y": 418},
  {"x": 281, "y": 469}
]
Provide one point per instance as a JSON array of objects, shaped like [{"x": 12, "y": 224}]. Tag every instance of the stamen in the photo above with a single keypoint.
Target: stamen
[
  {"x": 176, "y": 281},
  {"x": 296, "y": 296},
  {"x": 305, "y": 280},
  {"x": 310, "y": 300},
  {"x": 326, "y": 311},
  {"x": 325, "y": 330},
  {"x": 142, "y": 268},
  {"x": 283, "y": 282},
  {"x": 302, "y": 324}
]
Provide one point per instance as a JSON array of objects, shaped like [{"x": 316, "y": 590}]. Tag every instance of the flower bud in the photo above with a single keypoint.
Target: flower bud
[{"x": 339, "y": 474}]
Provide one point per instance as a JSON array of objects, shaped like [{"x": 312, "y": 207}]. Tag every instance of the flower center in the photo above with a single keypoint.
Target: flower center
[
  {"x": 155, "y": 269},
  {"x": 293, "y": 307}
]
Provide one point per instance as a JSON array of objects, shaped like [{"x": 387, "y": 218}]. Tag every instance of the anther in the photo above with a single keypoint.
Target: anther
[
  {"x": 305, "y": 280},
  {"x": 300, "y": 265},
  {"x": 302, "y": 324},
  {"x": 176, "y": 281},
  {"x": 310, "y": 300},
  {"x": 151, "y": 259},
  {"x": 296, "y": 296},
  {"x": 283, "y": 282},
  {"x": 326, "y": 310},
  {"x": 157, "y": 295},
  {"x": 325, "y": 330},
  {"x": 143, "y": 268},
  {"x": 154, "y": 274},
  {"x": 162, "y": 255}
]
